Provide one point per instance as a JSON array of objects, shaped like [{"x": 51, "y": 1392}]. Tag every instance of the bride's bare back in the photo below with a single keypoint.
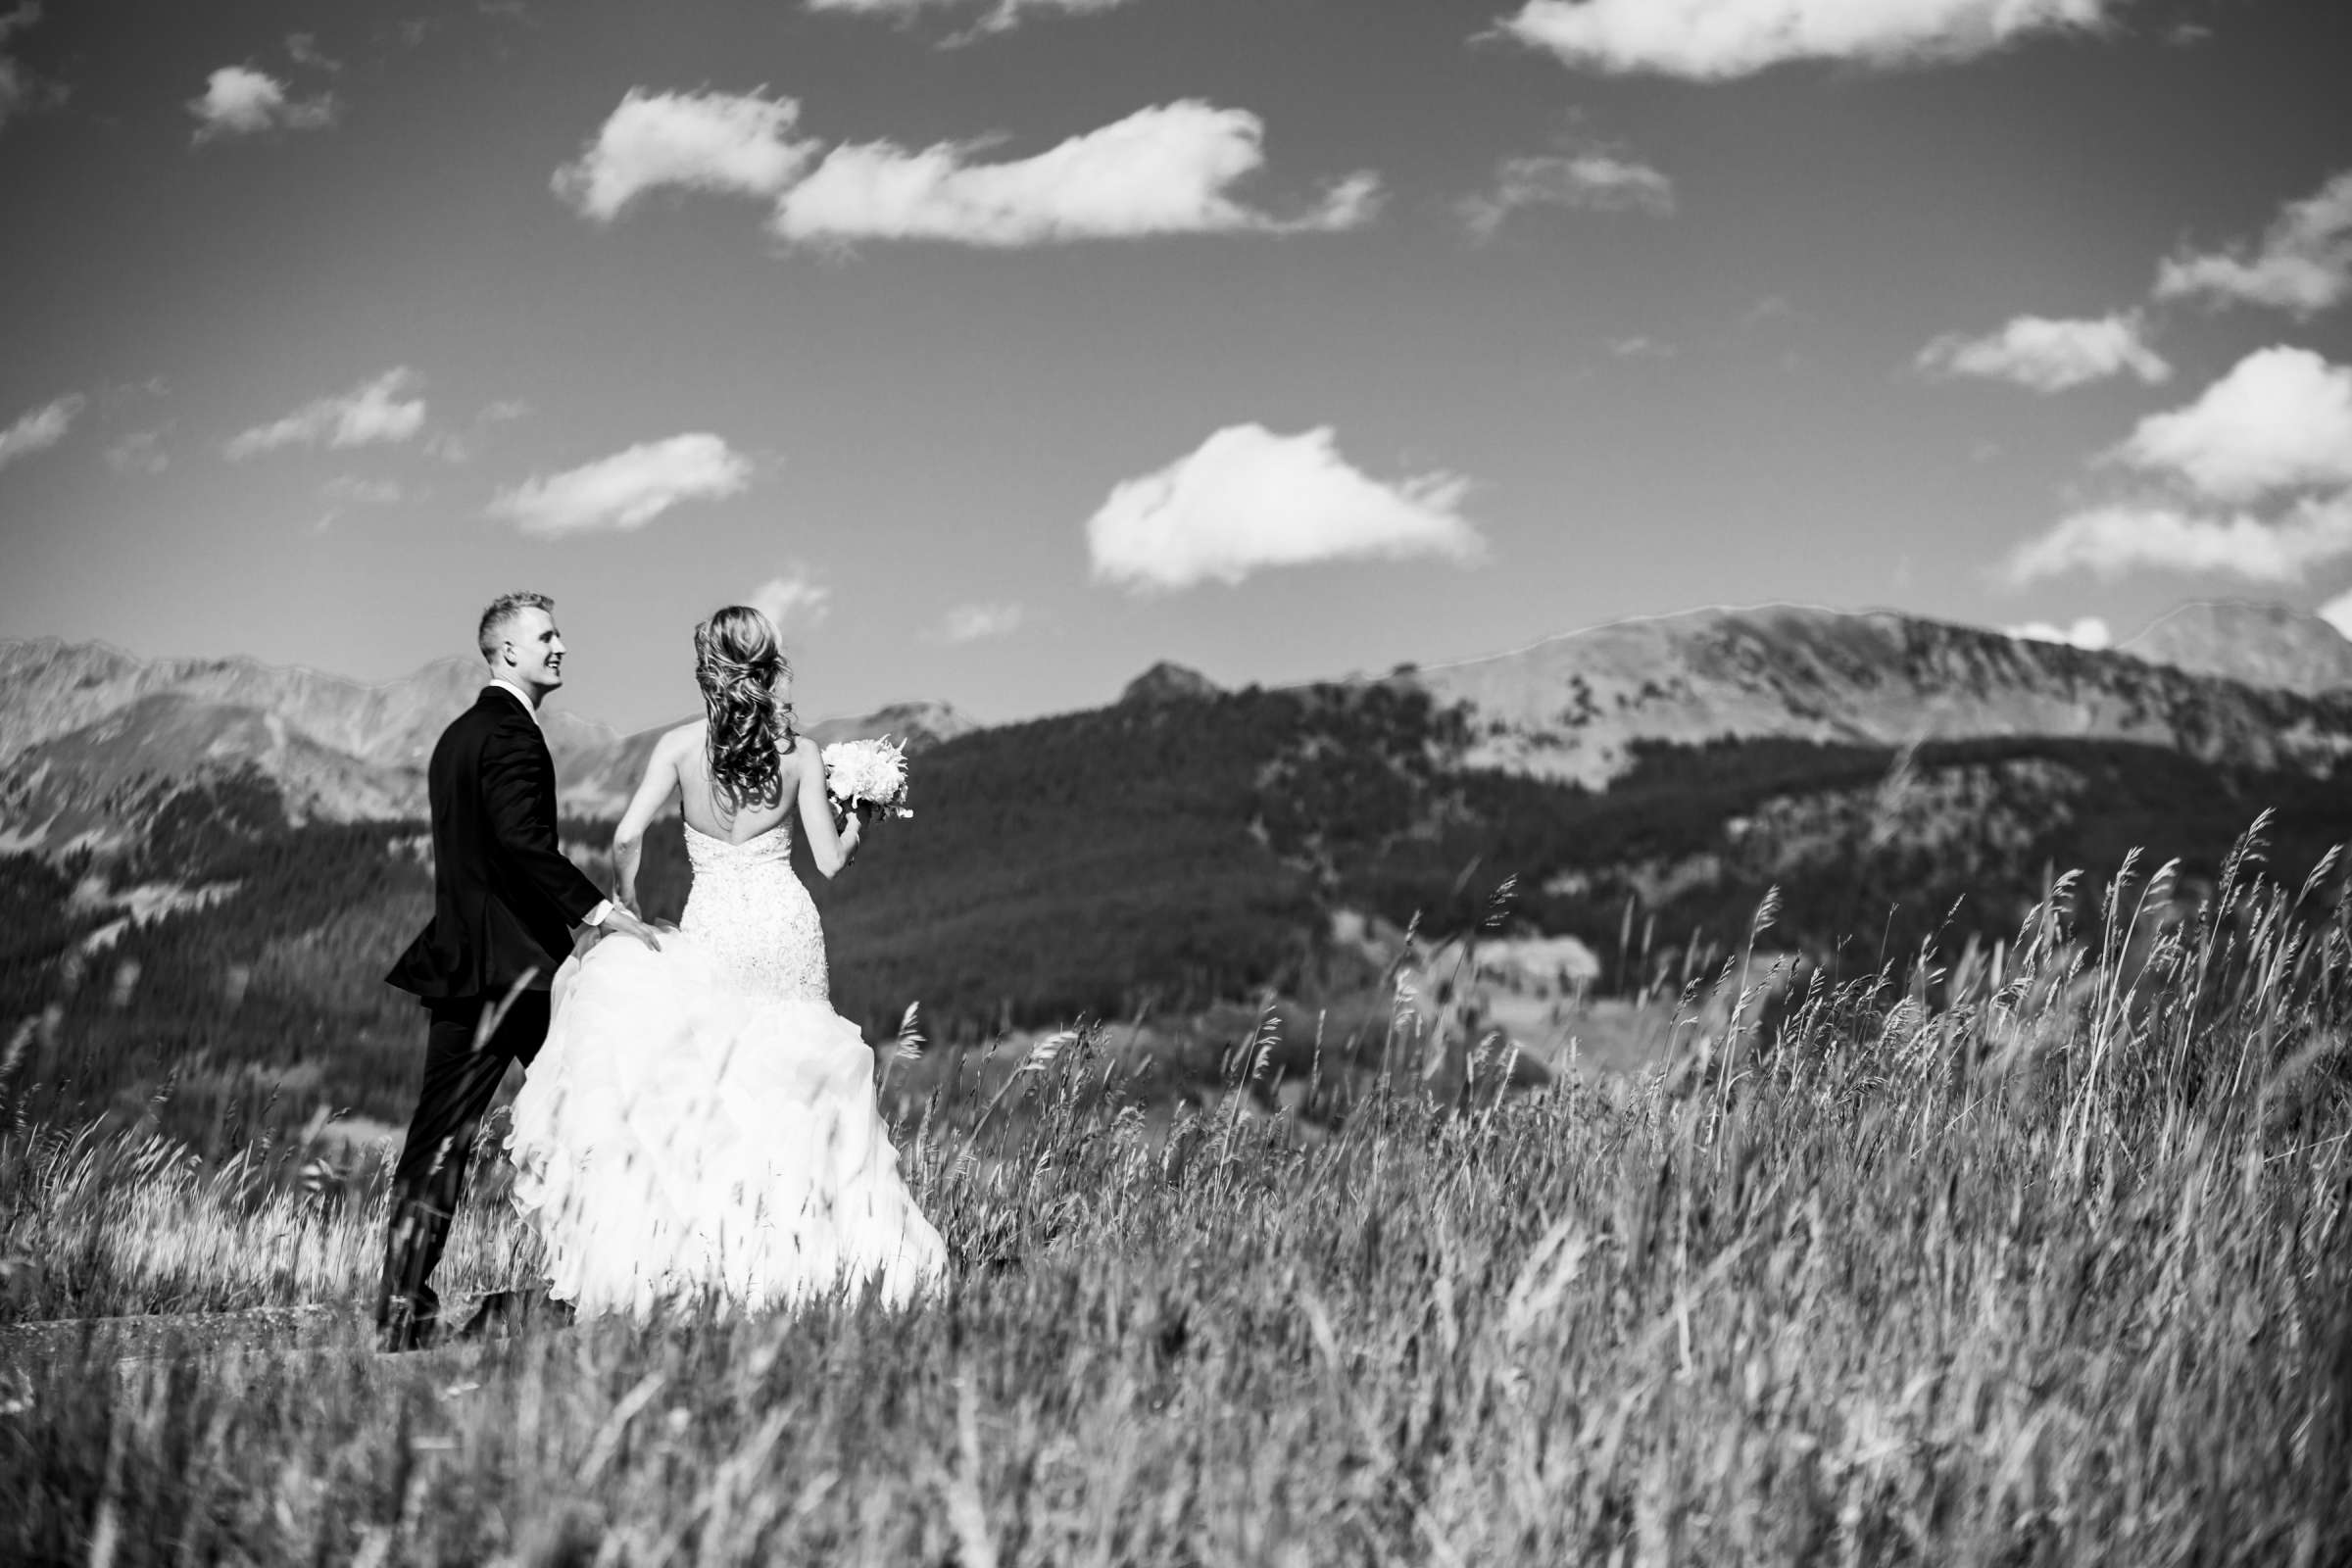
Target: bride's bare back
[
  {"x": 709, "y": 815},
  {"x": 680, "y": 767}
]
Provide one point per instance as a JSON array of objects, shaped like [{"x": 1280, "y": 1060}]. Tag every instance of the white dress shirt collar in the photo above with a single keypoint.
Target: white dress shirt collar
[{"x": 520, "y": 696}]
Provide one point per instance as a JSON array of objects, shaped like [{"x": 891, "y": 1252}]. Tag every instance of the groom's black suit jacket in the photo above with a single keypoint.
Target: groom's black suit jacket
[{"x": 504, "y": 898}]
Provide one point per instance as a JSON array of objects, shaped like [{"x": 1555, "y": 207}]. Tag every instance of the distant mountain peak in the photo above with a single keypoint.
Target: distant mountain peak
[
  {"x": 88, "y": 731},
  {"x": 1579, "y": 707},
  {"x": 916, "y": 725},
  {"x": 1171, "y": 682},
  {"x": 94, "y": 739},
  {"x": 1696, "y": 615},
  {"x": 2258, "y": 642}
]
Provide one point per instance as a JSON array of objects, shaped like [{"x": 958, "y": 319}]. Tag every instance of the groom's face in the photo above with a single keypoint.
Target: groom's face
[{"x": 534, "y": 650}]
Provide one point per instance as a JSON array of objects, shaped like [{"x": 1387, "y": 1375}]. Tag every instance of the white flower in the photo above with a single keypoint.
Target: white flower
[{"x": 871, "y": 772}]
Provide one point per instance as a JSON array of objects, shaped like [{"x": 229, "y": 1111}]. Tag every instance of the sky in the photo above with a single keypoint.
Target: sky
[{"x": 1001, "y": 348}]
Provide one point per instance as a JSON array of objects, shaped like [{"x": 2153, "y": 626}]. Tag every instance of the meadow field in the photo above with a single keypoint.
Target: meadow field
[{"x": 2036, "y": 1253}]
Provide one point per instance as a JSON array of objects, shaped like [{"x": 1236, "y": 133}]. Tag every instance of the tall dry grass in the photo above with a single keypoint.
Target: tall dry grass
[{"x": 2039, "y": 1255}]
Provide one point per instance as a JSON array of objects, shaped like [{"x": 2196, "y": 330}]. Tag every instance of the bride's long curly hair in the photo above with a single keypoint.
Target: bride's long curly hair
[{"x": 741, "y": 668}]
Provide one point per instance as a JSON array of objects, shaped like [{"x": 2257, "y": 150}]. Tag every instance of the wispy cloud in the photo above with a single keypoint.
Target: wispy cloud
[
  {"x": 303, "y": 49},
  {"x": 2050, "y": 355},
  {"x": 39, "y": 429},
  {"x": 996, "y": 14},
  {"x": 739, "y": 144},
  {"x": 2281, "y": 419},
  {"x": 463, "y": 444},
  {"x": 977, "y": 623},
  {"x": 20, "y": 89},
  {"x": 1600, "y": 181},
  {"x": 2087, "y": 631},
  {"x": 2303, "y": 263},
  {"x": 627, "y": 490},
  {"x": 1711, "y": 40},
  {"x": 239, "y": 101},
  {"x": 140, "y": 452},
  {"x": 387, "y": 410},
  {"x": 347, "y": 489},
  {"x": 1249, "y": 499},
  {"x": 794, "y": 599},
  {"x": 1169, "y": 169}
]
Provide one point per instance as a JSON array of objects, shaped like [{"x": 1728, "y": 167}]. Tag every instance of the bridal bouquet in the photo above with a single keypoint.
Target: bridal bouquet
[{"x": 863, "y": 774}]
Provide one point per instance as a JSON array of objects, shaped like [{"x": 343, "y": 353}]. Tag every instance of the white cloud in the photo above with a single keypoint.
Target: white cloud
[
  {"x": 2253, "y": 480},
  {"x": 1598, "y": 180},
  {"x": 384, "y": 409},
  {"x": 976, "y": 623},
  {"x": 713, "y": 141},
  {"x": 1713, "y": 40},
  {"x": 627, "y": 490},
  {"x": 1168, "y": 170},
  {"x": 2303, "y": 265},
  {"x": 1249, "y": 499},
  {"x": 2110, "y": 541},
  {"x": 2281, "y": 419},
  {"x": 796, "y": 599},
  {"x": 2049, "y": 355},
  {"x": 239, "y": 101},
  {"x": 2087, "y": 631},
  {"x": 1000, "y": 14},
  {"x": 39, "y": 429},
  {"x": 1162, "y": 170}
]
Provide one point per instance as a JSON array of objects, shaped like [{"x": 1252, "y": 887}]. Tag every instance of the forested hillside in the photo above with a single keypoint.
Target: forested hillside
[{"x": 1159, "y": 856}]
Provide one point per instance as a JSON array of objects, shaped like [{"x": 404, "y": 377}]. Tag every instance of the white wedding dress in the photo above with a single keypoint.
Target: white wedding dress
[{"x": 700, "y": 1122}]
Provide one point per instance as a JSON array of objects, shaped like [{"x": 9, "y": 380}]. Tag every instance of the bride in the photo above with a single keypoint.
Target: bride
[{"x": 699, "y": 1121}]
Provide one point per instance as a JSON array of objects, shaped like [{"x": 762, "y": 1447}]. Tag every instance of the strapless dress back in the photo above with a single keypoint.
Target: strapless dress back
[{"x": 749, "y": 909}]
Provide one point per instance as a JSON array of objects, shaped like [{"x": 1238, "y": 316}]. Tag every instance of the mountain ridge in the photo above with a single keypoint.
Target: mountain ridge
[
  {"x": 89, "y": 732},
  {"x": 1574, "y": 707},
  {"x": 92, "y": 737}
]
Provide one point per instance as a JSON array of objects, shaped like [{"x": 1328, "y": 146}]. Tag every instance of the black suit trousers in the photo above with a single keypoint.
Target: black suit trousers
[{"x": 463, "y": 1066}]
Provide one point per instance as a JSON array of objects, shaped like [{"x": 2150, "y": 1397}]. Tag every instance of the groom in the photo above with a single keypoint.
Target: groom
[{"x": 504, "y": 903}]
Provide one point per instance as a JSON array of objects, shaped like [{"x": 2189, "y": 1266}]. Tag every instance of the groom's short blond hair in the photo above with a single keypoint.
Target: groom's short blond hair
[{"x": 503, "y": 610}]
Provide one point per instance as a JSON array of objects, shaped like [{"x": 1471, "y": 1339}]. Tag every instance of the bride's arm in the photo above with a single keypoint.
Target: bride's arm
[
  {"x": 830, "y": 847},
  {"x": 654, "y": 791}
]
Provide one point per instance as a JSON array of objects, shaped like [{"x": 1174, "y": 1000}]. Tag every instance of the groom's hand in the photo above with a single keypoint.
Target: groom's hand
[{"x": 619, "y": 918}]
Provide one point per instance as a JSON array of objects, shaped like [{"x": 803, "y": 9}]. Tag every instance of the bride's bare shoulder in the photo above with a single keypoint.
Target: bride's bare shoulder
[{"x": 684, "y": 741}]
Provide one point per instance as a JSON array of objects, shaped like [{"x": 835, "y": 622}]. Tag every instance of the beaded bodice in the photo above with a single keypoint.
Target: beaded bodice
[{"x": 748, "y": 908}]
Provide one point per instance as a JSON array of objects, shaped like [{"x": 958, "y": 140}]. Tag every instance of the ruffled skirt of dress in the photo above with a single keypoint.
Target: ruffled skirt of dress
[{"x": 679, "y": 1137}]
